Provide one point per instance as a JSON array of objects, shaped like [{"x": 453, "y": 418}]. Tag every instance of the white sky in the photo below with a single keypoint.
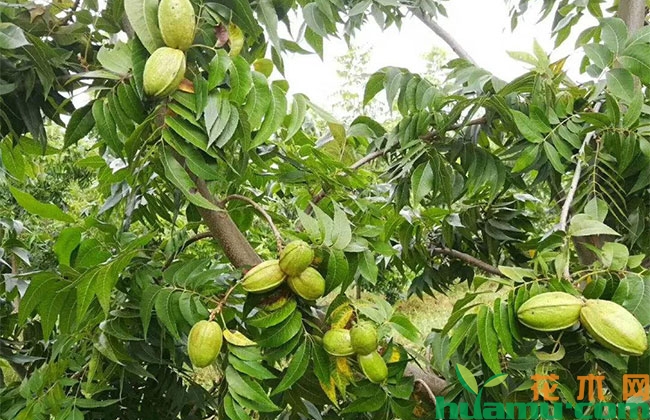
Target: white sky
[{"x": 482, "y": 27}]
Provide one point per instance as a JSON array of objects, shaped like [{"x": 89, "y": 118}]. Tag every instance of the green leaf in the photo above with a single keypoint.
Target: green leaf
[
  {"x": 106, "y": 126},
  {"x": 194, "y": 159},
  {"x": 268, "y": 319},
  {"x": 258, "y": 100},
  {"x": 614, "y": 256},
  {"x": 33, "y": 206},
  {"x": 337, "y": 270},
  {"x": 85, "y": 292},
  {"x": 295, "y": 371},
  {"x": 80, "y": 124},
  {"x": 342, "y": 232},
  {"x": 405, "y": 327},
  {"x": 175, "y": 173},
  {"x": 218, "y": 68},
  {"x": 297, "y": 116},
  {"x": 613, "y": 34},
  {"x": 233, "y": 410},
  {"x": 502, "y": 326},
  {"x": 310, "y": 225},
  {"x": 229, "y": 129},
  {"x": 322, "y": 363},
  {"x": 273, "y": 117},
  {"x": 621, "y": 84},
  {"x": 11, "y": 36},
  {"x": 583, "y": 225},
  {"x": 42, "y": 288},
  {"x": 487, "y": 339},
  {"x": 143, "y": 16},
  {"x": 12, "y": 160},
  {"x": 460, "y": 333},
  {"x": 527, "y": 127},
  {"x": 633, "y": 293},
  {"x": 281, "y": 333},
  {"x": 241, "y": 80},
  {"x": 266, "y": 13},
  {"x": 252, "y": 368},
  {"x": 466, "y": 378},
  {"x": 422, "y": 182},
  {"x": 164, "y": 311},
  {"x": 88, "y": 403},
  {"x": 636, "y": 60},
  {"x": 189, "y": 132},
  {"x": 368, "y": 267},
  {"x": 68, "y": 240},
  {"x": 249, "y": 389},
  {"x": 366, "y": 404}
]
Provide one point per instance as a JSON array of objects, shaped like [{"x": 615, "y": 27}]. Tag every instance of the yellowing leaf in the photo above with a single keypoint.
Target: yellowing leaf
[{"x": 237, "y": 339}]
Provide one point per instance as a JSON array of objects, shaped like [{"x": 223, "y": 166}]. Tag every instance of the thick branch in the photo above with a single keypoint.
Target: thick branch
[
  {"x": 237, "y": 249},
  {"x": 482, "y": 265},
  {"x": 444, "y": 35},
  {"x": 260, "y": 209},
  {"x": 633, "y": 13}
]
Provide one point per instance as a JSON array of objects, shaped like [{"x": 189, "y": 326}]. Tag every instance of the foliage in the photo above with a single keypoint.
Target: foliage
[{"x": 472, "y": 187}]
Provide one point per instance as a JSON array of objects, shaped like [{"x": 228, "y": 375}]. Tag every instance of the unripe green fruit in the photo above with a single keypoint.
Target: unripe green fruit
[
  {"x": 163, "y": 72},
  {"x": 364, "y": 338},
  {"x": 177, "y": 23},
  {"x": 263, "y": 277},
  {"x": 374, "y": 367},
  {"x": 337, "y": 342},
  {"x": 309, "y": 284},
  {"x": 296, "y": 257},
  {"x": 204, "y": 343},
  {"x": 551, "y": 311},
  {"x": 614, "y": 327}
]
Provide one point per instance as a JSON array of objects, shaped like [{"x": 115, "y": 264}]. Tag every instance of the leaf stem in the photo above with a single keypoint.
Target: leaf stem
[{"x": 260, "y": 209}]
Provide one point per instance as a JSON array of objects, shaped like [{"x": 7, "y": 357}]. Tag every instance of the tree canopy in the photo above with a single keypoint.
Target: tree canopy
[{"x": 125, "y": 219}]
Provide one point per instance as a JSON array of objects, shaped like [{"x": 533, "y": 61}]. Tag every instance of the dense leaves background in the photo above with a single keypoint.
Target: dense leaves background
[{"x": 97, "y": 245}]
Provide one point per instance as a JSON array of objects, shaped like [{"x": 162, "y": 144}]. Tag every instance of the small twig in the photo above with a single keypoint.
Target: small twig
[
  {"x": 190, "y": 241},
  {"x": 222, "y": 302},
  {"x": 434, "y": 133},
  {"x": 442, "y": 33},
  {"x": 367, "y": 159},
  {"x": 428, "y": 390},
  {"x": 356, "y": 165},
  {"x": 488, "y": 268},
  {"x": 260, "y": 209},
  {"x": 564, "y": 215},
  {"x": 66, "y": 19}
]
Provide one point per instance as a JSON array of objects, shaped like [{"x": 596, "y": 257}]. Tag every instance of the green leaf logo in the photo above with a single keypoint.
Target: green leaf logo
[
  {"x": 496, "y": 380},
  {"x": 467, "y": 380}
]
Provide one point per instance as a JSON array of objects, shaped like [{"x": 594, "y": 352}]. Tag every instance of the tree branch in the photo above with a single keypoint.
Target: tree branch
[
  {"x": 260, "y": 209},
  {"x": 222, "y": 302},
  {"x": 236, "y": 247},
  {"x": 356, "y": 165},
  {"x": 66, "y": 19},
  {"x": 431, "y": 135},
  {"x": 190, "y": 241},
  {"x": 444, "y": 35},
  {"x": 482, "y": 265},
  {"x": 564, "y": 215},
  {"x": 633, "y": 13}
]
